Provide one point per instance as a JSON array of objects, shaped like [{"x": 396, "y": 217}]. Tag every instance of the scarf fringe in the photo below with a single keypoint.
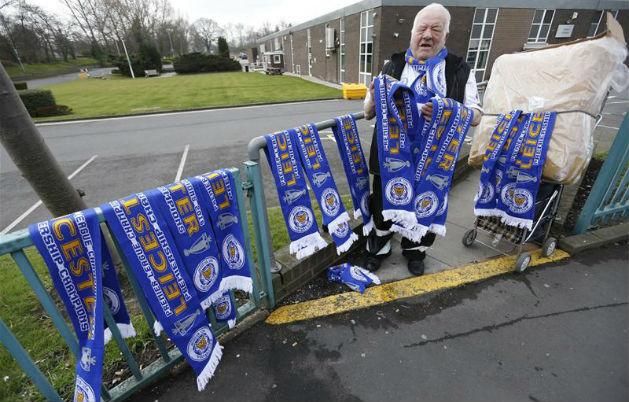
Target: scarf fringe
[
  {"x": 342, "y": 218},
  {"x": 374, "y": 278},
  {"x": 517, "y": 222},
  {"x": 414, "y": 233},
  {"x": 368, "y": 227},
  {"x": 208, "y": 371},
  {"x": 234, "y": 282},
  {"x": 307, "y": 245},
  {"x": 347, "y": 245},
  {"x": 406, "y": 219},
  {"x": 231, "y": 323},
  {"x": 487, "y": 212},
  {"x": 438, "y": 229},
  {"x": 157, "y": 328},
  {"x": 357, "y": 213},
  {"x": 126, "y": 330}
]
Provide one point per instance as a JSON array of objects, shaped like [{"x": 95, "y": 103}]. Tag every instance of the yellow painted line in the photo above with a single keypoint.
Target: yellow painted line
[{"x": 411, "y": 287}]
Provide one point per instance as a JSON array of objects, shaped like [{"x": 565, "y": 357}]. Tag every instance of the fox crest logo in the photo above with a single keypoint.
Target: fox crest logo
[
  {"x": 111, "y": 299},
  {"x": 426, "y": 204},
  {"x": 330, "y": 202},
  {"x": 300, "y": 219},
  {"x": 519, "y": 200},
  {"x": 233, "y": 253},
  {"x": 398, "y": 191},
  {"x": 223, "y": 308},
  {"x": 485, "y": 193},
  {"x": 200, "y": 344},
  {"x": 83, "y": 392},
  {"x": 205, "y": 274}
]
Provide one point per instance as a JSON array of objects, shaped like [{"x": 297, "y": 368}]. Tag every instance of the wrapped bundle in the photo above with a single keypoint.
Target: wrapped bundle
[{"x": 572, "y": 79}]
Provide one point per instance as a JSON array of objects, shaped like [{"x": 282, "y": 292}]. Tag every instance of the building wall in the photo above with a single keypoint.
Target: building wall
[
  {"x": 287, "y": 53},
  {"x": 581, "y": 24},
  {"x": 512, "y": 31},
  {"x": 325, "y": 65},
  {"x": 300, "y": 51},
  {"x": 352, "y": 43}
]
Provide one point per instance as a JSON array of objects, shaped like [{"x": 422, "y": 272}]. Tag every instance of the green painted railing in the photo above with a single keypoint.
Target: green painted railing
[
  {"x": 14, "y": 244},
  {"x": 608, "y": 201}
]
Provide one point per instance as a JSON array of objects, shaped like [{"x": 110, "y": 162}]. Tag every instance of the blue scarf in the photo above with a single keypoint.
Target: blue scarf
[
  {"x": 192, "y": 231},
  {"x": 507, "y": 129},
  {"x": 394, "y": 153},
  {"x": 446, "y": 131},
  {"x": 354, "y": 277},
  {"x": 521, "y": 180},
  {"x": 355, "y": 167},
  {"x": 113, "y": 298},
  {"x": 317, "y": 169},
  {"x": 71, "y": 247},
  {"x": 225, "y": 310},
  {"x": 151, "y": 253},
  {"x": 217, "y": 190},
  {"x": 293, "y": 195},
  {"x": 431, "y": 77}
]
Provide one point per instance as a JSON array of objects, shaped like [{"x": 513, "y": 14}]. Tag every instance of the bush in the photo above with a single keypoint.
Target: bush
[
  {"x": 203, "y": 63},
  {"x": 20, "y": 86},
  {"x": 223, "y": 48},
  {"x": 41, "y": 103},
  {"x": 148, "y": 58}
]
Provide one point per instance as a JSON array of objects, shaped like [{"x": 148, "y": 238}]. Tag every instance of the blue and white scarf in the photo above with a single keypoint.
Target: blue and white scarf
[
  {"x": 446, "y": 132},
  {"x": 523, "y": 174},
  {"x": 149, "y": 248},
  {"x": 317, "y": 169},
  {"x": 192, "y": 231},
  {"x": 71, "y": 247},
  {"x": 356, "y": 278},
  {"x": 355, "y": 166},
  {"x": 293, "y": 195},
  {"x": 225, "y": 310},
  {"x": 394, "y": 151},
  {"x": 219, "y": 192},
  {"x": 113, "y": 297},
  {"x": 431, "y": 73},
  {"x": 508, "y": 129}
]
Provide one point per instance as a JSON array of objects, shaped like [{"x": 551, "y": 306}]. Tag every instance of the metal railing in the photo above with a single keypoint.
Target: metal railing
[
  {"x": 609, "y": 198},
  {"x": 15, "y": 243}
]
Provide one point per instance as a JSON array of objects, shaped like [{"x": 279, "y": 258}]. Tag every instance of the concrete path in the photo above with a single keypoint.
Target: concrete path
[
  {"x": 58, "y": 79},
  {"x": 556, "y": 333}
]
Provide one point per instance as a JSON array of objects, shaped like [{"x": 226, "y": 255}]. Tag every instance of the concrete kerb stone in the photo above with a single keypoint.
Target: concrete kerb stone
[{"x": 594, "y": 239}]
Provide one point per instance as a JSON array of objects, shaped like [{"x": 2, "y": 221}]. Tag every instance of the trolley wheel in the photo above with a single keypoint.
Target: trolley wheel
[
  {"x": 549, "y": 246},
  {"x": 469, "y": 237},
  {"x": 523, "y": 261}
]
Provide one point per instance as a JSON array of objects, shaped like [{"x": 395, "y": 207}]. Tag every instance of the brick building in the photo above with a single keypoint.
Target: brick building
[{"x": 351, "y": 44}]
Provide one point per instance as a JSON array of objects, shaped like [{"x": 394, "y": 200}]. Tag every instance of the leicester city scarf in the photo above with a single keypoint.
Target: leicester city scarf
[
  {"x": 355, "y": 166},
  {"x": 524, "y": 172},
  {"x": 192, "y": 231},
  {"x": 153, "y": 257},
  {"x": 394, "y": 153},
  {"x": 433, "y": 176},
  {"x": 112, "y": 296},
  {"x": 71, "y": 247},
  {"x": 431, "y": 75},
  {"x": 356, "y": 278},
  {"x": 225, "y": 310},
  {"x": 317, "y": 169},
  {"x": 219, "y": 192},
  {"x": 293, "y": 195},
  {"x": 506, "y": 130}
]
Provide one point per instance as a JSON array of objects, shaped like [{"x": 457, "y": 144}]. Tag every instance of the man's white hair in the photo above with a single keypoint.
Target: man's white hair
[{"x": 435, "y": 7}]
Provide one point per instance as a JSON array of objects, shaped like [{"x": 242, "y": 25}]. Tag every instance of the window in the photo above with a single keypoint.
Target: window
[
  {"x": 595, "y": 24},
  {"x": 342, "y": 50},
  {"x": 541, "y": 26},
  {"x": 277, "y": 59},
  {"x": 480, "y": 40},
  {"x": 366, "y": 47},
  {"x": 309, "y": 47},
  {"x": 277, "y": 44}
]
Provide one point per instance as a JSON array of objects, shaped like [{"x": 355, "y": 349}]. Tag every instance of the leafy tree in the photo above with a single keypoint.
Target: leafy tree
[{"x": 223, "y": 48}]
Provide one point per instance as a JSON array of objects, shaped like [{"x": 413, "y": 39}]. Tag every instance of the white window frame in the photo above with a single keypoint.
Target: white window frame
[
  {"x": 364, "y": 76},
  {"x": 309, "y": 50},
  {"x": 596, "y": 25},
  {"x": 537, "y": 38},
  {"x": 342, "y": 50},
  {"x": 277, "y": 59},
  {"x": 475, "y": 66}
]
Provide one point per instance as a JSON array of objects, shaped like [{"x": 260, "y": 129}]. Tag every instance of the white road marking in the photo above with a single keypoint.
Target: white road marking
[
  {"x": 617, "y": 102},
  {"x": 140, "y": 116},
  {"x": 182, "y": 163},
  {"x": 331, "y": 137},
  {"x": 38, "y": 203},
  {"x": 602, "y": 125}
]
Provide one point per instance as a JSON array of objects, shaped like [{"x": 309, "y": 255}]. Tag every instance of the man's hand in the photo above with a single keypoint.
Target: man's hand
[
  {"x": 427, "y": 111},
  {"x": 477, "y": 115},
  {"x": 369, "y": 107}
]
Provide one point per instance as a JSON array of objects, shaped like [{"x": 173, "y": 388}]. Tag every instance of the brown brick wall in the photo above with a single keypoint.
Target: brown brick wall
[
  {"x": 324, "y": 66},
  {"x": 512, "y": 31},
  {"x": 581, "y": 24},
  {"x": 300, "y": 51},
  {"x": 287, "y": 55},
  {"x": 352, "y": 43}
]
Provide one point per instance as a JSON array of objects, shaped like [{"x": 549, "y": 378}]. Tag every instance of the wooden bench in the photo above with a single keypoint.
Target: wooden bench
[{"x": 151, "y": 73}]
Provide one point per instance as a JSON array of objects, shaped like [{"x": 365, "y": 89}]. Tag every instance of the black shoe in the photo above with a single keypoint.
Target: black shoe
[
  {"x": 373, "y": 262},
  {"x": 416, "y": 267}
]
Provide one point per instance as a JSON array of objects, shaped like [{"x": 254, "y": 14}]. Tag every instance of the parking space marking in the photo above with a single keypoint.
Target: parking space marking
[
  {"x": 182, "y": 163},
  {"x": 405, "y": 288},
  {"x": 604, "y": 126},
  {"x": 38, "y": 203}
]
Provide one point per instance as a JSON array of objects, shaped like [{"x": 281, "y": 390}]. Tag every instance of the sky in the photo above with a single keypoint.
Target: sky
[{"x": 248, "y": 12}]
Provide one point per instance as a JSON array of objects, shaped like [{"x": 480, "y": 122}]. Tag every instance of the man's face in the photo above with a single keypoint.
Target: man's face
[{"x": 428, "y": 36}]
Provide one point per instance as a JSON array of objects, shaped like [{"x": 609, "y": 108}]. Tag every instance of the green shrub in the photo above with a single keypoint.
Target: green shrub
[
  {"x": 41, "y": 103},
  {"x": 203, "y": 63},
  {"x": 54, "y": 110},
  {"x": 148, "y": 58},
  {"x": 20, "y": 86},
  {"x": 223, "y": 48}
]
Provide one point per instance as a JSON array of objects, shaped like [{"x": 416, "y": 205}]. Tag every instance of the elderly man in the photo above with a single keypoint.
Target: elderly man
[{"x": 428, "y": 39}]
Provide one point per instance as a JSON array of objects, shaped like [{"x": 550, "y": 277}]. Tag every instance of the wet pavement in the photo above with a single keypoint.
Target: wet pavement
[{"x": 556, "y": 333}]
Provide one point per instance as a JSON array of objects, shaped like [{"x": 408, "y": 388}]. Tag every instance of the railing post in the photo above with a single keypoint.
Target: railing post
[
  {"x": 614, "y": 162},
  {"x": 261, "y": 228}
]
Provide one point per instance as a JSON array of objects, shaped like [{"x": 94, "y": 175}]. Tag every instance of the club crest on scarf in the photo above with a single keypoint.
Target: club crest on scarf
[
  {"x": 431, "y": 78},
  {"x": 225, "y": 311},
  {"x": 356, "y": 278}
]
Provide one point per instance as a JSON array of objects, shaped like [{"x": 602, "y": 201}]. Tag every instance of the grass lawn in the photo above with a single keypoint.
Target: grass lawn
[
  {"x": 47, "y": 70},
  {"x": 119, "y": 96},
  {"x": 22, "y": 312}
]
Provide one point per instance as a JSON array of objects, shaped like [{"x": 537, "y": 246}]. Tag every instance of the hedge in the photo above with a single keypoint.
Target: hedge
[
  {"x": 204, "y": 63},
  {"x": 41, "y": 103}
]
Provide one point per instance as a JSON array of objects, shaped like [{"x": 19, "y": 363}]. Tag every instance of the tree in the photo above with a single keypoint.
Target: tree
[
  {"x": 223, "y": 48},
  {"x": 204, "y": 31}
]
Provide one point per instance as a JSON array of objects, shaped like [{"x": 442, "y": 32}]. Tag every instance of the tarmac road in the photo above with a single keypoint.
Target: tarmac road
[{"x": 557, "y": 333}]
